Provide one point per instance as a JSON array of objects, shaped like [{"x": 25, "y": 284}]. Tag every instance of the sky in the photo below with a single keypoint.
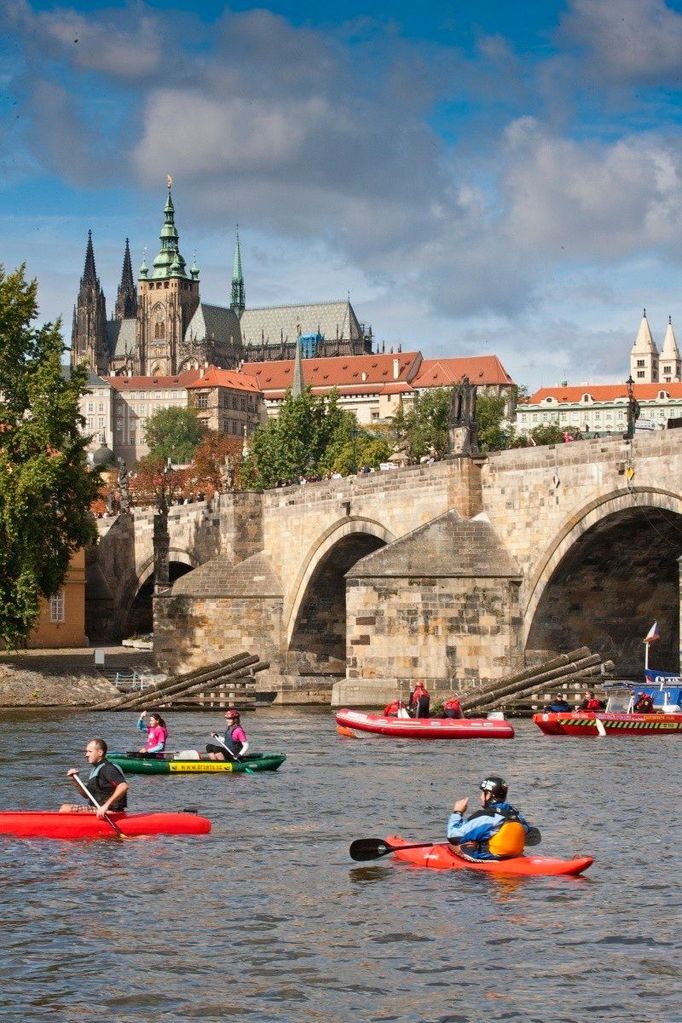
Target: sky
[{"x": 480, "y": 178}]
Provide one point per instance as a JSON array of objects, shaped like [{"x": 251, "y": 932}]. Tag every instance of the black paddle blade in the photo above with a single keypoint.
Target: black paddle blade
[
  {"x": 369, "y": 849},
  {"x": 533, "y": 836}
]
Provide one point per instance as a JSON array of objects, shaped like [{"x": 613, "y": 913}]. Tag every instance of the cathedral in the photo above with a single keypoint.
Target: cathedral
[{"x": 162, "y": 327}]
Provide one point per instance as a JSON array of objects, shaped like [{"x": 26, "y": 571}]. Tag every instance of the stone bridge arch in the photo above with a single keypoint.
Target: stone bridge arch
[
  {"x": 611, "y": 566},
  {"x": 136, "y": 604},
  {"x": 314, "y": 612}
]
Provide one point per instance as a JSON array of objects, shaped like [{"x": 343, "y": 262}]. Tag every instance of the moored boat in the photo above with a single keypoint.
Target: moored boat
[
  {"x": 619, "y": 718},
  {"x": 51, "y": 824},
  {"x": 426, "y": 728},
  {"x": 183, "y": 763},
  {"x": 441, "y": 856}
]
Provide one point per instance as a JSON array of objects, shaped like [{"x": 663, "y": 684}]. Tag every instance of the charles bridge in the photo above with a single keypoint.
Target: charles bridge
[{"x": 451, "y": 572}]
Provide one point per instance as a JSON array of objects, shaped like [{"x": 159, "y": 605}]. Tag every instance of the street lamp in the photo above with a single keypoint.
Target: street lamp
[{"x": 633, "y": 408}]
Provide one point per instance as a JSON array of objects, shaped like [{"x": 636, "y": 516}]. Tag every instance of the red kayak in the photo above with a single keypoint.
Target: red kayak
[
  {"x": 425, "y": 728},
  {"x": 50, "y": 824},
  {"x": 442, "y": 857}
]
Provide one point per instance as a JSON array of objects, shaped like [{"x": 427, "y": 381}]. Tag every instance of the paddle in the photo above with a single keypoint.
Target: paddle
[
  {"x": 373, "y": 848},
  {"x": 86, "y": 792},
  {"x": 234, "y": 756}
]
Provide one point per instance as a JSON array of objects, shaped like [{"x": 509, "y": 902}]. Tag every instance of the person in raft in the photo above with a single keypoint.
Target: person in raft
[
  {"x": 106, "y": 783},
  {"x": 156, "y": 730},
  {"x": 644, "y": 704},
  {"x": 496, "y": 831},
  {"x": 590, "y": 702},
  {"x": 452, "y": 708},
  {"x": 558, "y": 705},
  {"x": 420, "y": 701},
  {"x": 234, "y": 739},
  {"x": 395, "y": 709}
]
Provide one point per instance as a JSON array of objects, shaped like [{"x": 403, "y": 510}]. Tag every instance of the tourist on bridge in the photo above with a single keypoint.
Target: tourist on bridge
[
  {"x": 157, "y": 733},
  {"x": 233, "y": 744},
  {"x": 494, "y": 832}
]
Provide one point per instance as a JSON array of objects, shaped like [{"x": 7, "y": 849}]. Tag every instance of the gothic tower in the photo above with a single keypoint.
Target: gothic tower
[
  {"x": 238, "y": 301},
  {"x": 88, "y": 335},
  {"x": 670, "y": 364},
  {"x": 167, "y": 298},
  {"x": 126, "y": 299},
  {"x": 644, "y": 355}
]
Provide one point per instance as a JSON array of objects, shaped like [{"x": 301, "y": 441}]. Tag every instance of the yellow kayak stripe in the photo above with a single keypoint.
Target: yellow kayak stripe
[{"x": 187, "y": 766}]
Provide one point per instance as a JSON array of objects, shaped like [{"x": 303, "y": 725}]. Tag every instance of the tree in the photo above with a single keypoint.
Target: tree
[
  {"x": 174, "y": 433},
  {"x": 494, "y": 434},
  {"x": 46, "y": 488}
]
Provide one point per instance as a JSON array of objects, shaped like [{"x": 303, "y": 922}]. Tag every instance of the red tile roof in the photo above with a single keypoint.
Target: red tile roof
[
  {"x": 214, "y": 377},
  {"x": 480, "y": 369},
  {"x": 603, "y": 392},
  {"x": 338, "y": 371},
  {"x": 153, "y": 383}
]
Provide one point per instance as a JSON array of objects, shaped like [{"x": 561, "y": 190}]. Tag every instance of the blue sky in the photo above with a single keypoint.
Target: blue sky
[{"x": 480, "y": 177}]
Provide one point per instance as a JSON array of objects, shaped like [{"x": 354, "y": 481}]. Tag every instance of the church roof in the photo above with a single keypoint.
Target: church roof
[
  {"x": 237, "y": 381},
  {"x": 213, "y": 322},
  {"x": 285, "y": 322},
  {"x": 154, "y": 383},
  {"x": 449, "y": 546},
  {"x": 121, "y": 337},
  {"x": 644, "y": 342},
  {"x": 670, "y": 349},
  {"x": 480, "y": 369}
]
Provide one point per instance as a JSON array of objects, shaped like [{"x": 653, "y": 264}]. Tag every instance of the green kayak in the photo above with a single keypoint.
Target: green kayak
[{"x": 182, "y": 763}]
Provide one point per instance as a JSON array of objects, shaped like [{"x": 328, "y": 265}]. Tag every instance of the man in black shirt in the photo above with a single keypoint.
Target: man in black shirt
[{"x": 106, "y": 782}]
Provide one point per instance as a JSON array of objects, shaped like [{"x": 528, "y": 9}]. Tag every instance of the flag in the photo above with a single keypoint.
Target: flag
[{"x": 652, "y": 634}]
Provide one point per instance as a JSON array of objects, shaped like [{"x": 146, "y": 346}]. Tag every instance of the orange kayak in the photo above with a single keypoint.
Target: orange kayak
[{"x": 442, "y": 857}]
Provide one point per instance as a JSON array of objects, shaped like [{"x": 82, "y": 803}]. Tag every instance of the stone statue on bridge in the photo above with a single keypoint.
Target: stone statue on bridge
[
  {"x": 462, "y": 426},
  {"x": 123, "y": 488}
]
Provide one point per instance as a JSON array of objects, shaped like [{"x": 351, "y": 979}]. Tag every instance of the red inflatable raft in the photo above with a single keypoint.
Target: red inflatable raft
[
  {"x": 442, "y": 857},
  {"x": 50, "y": 824},
  {"x": 426, "y": 728}
]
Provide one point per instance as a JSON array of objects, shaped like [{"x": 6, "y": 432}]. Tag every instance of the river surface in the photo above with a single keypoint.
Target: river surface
[{"x": 267, "y": 918}]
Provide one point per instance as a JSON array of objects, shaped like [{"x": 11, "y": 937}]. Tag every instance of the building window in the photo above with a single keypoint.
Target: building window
[
  {"x": 640, "y": 374},
  {"x": 640, "y": 363},
  {"x": 57, "y": 607},
  {"x": 158, "y": 330},
  {"x": 202, "y": 400},
  {"x": 243, "y": 404}
]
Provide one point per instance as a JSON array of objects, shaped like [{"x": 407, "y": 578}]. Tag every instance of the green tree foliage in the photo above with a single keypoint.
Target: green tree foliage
[
  {"x": 174, "y": 433},
  {"x": 46, "y": 488},
  {"x": 494, "y": 433},
  {"x": 547, "y": 433},
  {"x": 425, "y": 425},
  {"x": 311, "y": 437}
]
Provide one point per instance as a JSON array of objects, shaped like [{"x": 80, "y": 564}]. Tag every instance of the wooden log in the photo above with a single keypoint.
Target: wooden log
[
  {"x": 197, "y": 687},
  {"x": 161, "y": 697},
  {"x": 518, "y": 676},
  {"x": 491, "y": 698},
  {"x": 131, "y": 700},
  {"x": 588, "y": 667}
]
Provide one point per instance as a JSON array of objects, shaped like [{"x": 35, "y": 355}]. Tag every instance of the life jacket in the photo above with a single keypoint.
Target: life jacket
[
  {"x": 510, "y": 837},
  {"x": 234, "y": 745},
  {"x": 103, "y": 780},
  {"x": 593, "y": 704},
  {"x": 453, "y": 704}
]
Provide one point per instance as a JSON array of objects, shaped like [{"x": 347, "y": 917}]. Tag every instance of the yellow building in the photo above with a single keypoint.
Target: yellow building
[{"x": 62, "y": 618}]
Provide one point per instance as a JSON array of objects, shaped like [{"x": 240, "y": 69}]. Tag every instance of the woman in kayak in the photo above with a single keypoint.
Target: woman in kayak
[
  {"x": 106, "y": 782},
  {"x": 234, "y": 744},
  {"x": 494, "y": 832},
  {"x": 156, "y": 730}
]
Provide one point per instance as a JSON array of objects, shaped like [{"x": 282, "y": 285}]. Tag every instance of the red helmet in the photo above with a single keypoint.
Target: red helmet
[{"x": 232, "y": 713}]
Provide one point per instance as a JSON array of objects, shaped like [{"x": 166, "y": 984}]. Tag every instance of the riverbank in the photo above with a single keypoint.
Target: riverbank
[{"x": 22, "y": 688}]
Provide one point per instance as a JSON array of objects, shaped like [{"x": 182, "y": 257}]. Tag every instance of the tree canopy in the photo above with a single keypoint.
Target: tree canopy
[
  {"x": 46, "y": 488},
  {"x": 311, "y": 437},
  {"x": 174, "y": 433}
]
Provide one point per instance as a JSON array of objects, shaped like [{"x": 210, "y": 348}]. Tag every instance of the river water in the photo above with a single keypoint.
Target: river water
[{"x": 267, "y": 918}]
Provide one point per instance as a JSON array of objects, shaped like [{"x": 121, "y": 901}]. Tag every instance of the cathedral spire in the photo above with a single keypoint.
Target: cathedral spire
[
  {"x": 238, "y": 301},
  {"x": 126, "y": 299},
  {"x": 89, "y": 271},
  {"x": 169, "y": 262}
]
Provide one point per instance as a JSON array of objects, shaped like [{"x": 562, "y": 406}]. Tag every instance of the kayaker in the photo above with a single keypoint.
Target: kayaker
[
  {"x": 590, "y": 702},
  {"x": 494, "y": 832},
  {"x": 106, "y": 783},
  {"x": 644, "y": 704},
  {"x": 452, "y": 708},
  {"x": 157, "y": 732},
  {"x": 420, "y": 701},
  {"x": 234, "y": 739}
]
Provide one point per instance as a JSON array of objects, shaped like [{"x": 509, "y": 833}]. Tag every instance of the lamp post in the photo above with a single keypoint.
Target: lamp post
[{"x": 633, "y": 408}]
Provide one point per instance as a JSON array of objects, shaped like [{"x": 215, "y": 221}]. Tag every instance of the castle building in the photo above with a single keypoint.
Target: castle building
[
  {"x": 647, "y": 365},
  {"x": 161, "y": 327}
]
